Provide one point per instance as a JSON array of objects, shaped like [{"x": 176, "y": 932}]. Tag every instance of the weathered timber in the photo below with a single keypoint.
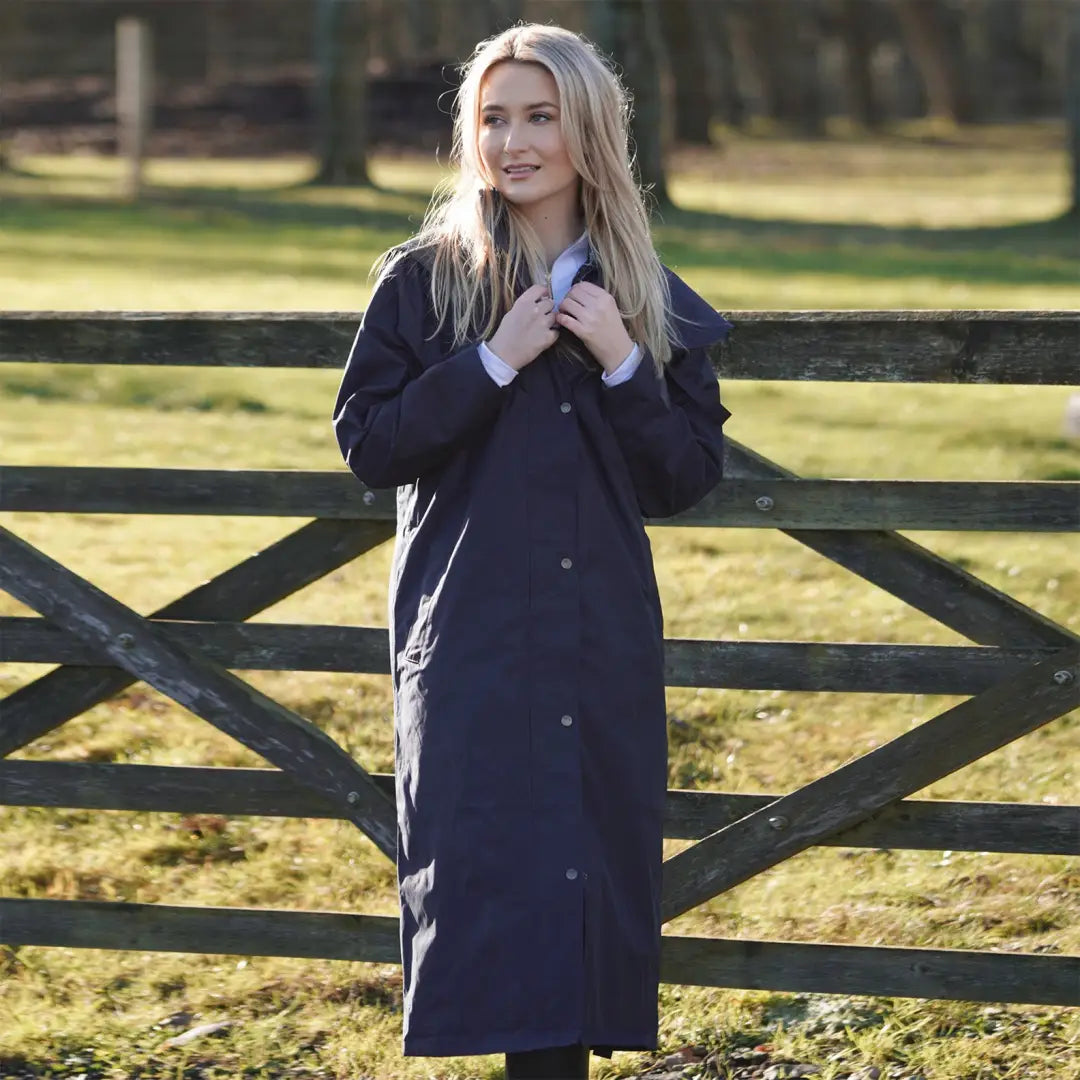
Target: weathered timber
[
  {"x": 208, "y": 690},
  {"x": 946, "y": 974},
  {"x": 92, "y": 924},
  {"x": 1011, "y": 347},
  {"x": 933, "y": 825},
  {"x": 914, "y": 574},
  {"x": 187, "y": 339},
  {"x": 333, "y": 935},
  {"x": 919, "y": 757},
  {"x": 258, "y": 582},
  {"x": 1044, "y": 506},
  {"x": 1052, "y": 506},
  {"x": 743, "y": 665}
]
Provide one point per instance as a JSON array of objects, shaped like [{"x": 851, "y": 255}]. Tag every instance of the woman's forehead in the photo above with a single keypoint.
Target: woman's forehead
[{"x": 514, "y": 84}]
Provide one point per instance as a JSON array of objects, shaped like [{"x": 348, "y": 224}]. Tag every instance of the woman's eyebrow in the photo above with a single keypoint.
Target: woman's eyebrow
[{"x": 537, "y": 105}]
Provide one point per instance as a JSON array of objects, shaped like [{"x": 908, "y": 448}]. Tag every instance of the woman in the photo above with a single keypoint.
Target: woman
[{"x": 533, "y": 380}]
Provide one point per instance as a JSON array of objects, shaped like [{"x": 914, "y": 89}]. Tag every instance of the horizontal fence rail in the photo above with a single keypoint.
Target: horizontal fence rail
[
  {"x": 731, "y": 665},
  {"x": 1007, "y": 347},
  {"x": 1042, "y": 506},
  {"x": 950, "y": 974},
  {"x": 923, "y": 825}
]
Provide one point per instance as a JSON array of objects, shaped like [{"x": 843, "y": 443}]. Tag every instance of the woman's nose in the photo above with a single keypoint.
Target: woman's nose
[{"x": 515, "y": 136}]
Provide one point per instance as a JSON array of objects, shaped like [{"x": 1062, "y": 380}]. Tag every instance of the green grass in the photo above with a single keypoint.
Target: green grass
[{"x": 767, "y": 224}]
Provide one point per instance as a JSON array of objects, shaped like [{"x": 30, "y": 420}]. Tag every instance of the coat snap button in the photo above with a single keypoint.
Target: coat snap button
[
  {"x": 567, "y": 721},
  {"x": 565, "y": 406},
  {"x": 566, "y": 563},
  {"x": 571, "y": 874}
]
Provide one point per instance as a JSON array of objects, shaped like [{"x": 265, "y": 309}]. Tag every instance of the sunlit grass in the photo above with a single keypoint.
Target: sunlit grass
[{"x": 772, "y": 225}]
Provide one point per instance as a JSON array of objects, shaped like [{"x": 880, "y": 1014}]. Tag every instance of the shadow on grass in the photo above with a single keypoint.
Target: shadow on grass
[{"x": 1028, "y": 253}]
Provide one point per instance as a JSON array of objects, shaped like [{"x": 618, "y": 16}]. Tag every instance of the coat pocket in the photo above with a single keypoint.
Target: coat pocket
[{"x": 414, "y": 653}]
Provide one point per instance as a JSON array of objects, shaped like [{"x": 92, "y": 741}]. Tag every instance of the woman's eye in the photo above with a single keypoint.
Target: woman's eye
[{"x": 489, "y": 121}]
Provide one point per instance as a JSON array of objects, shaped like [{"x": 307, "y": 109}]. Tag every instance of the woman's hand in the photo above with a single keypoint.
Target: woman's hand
[
  {"x": 526, "y": 329},
  {"x": 592, "y": 314}
]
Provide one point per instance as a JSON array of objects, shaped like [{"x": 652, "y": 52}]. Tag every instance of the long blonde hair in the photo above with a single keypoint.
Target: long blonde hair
[{"x": 480, "y": 245}]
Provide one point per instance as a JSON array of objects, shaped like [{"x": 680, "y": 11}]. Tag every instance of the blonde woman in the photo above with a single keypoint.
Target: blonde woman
[{"x": 534, "y": 381}]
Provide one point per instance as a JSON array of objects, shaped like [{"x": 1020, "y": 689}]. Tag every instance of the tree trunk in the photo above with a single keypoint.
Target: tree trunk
[
  {"x": 1072, "y": 104},
  {"x": 11, "y": 25},
  {"x": 937, "y": 48},
  {"x": 855, "y": 24},
  {"x": 712, "y": 26},
  {"x": 782, "y": 45},
  {"x": 642, "y": 53},
  {"x": 422, "y": 23},
  {"x": 341, "y": 46},
  {"x": 690, "y": 61}
]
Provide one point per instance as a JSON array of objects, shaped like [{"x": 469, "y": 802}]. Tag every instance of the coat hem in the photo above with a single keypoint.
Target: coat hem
[{"x": 513, "y": 1041}]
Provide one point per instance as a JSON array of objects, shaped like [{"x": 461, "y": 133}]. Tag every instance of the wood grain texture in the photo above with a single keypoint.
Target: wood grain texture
[
  {"x": 243, "y": 590},
  {"x": 933, "y": 825},
  {"x": 1043, "y": 506},
  {"x": 745, "y": 665},
  {"x": 914, "y": 574},
  {"x": 843, "y": 798},
  {"x": 950, "y": 974},
  {"x": 208, "y": 690},
  {"x": 1011, "y": 347}
]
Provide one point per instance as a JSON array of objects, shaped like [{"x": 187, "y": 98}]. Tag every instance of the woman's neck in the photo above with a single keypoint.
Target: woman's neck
[{"x": 556, "y": 232}]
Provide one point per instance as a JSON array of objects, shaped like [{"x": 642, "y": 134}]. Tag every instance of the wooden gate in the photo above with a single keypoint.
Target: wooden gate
[{"x": 1020, "y": 672}]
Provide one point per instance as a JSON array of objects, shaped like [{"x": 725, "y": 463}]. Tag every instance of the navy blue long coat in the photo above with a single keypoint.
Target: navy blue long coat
[{"x": 526, "y": 639}]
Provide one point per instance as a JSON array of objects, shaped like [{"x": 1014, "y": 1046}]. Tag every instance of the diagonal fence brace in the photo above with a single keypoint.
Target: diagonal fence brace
[
  {"x": 919, "y": 757},
  {"x": 910, "y": 572},
  {"x": 210, "y": 691},
  {"x": 259, "y": 581}
]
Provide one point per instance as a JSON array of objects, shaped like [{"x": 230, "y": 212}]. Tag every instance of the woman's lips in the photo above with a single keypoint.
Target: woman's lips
[{"x": 521, "y": 172}]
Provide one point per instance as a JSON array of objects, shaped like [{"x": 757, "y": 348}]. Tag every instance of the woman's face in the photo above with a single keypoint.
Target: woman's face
[{"x": 521, "y": 125}]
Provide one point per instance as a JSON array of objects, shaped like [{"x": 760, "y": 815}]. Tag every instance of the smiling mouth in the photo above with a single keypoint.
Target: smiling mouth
[{"x": 520, "y": 170}]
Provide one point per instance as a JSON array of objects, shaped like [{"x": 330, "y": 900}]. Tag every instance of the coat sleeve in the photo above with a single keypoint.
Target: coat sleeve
[
  {"x": 400, "y": 411},
  {"x": 670, "y": 430}
]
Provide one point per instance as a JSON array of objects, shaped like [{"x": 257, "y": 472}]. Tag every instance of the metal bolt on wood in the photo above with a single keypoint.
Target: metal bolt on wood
[
  {"x": 779, "y": 822},
  {"x": 352, "y": 798},
  {"x": 1063, "y": 677},
  {"x": 369, "y": 497},
  {"x": 125, "y": 641},
  {"x": 764, "y": 502}
]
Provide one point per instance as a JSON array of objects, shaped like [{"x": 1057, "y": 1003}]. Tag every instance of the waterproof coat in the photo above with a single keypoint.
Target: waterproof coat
[{"x": 526, "y": 641}]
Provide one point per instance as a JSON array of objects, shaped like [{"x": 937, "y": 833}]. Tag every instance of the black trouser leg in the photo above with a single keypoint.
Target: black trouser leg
[{"x": 551, "y": 1063}]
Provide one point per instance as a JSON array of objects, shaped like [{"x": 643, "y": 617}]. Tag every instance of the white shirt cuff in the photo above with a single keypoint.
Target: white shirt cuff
[
  {"x": 498, "y": 369},
  {"x": 625, "y": 370}
]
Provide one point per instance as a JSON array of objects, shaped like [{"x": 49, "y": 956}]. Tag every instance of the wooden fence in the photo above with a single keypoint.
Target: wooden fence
[{"x": 1020, "y": 672}]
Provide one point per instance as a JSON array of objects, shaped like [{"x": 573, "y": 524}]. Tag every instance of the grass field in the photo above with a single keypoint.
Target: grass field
[{"x": 768, "y": 224}]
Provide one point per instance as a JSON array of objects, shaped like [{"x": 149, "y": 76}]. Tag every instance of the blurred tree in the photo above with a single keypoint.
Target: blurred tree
[
  {"x": 421, "y": 27},
  {"x": 934, "y": 35},
  {"x": 702, "y": 75},
  {"x": 1072, "y": 102},
  {"x": 1009, "y": 72},
  {"x": 218, "y": 24},
  {"x": 11, "y": 26},
  {"x": 855, "y": 24},
  {"x": 629, "y": 31},
  {"x": 341, "y": 56},
  {"x": 780, "y": 41}
]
